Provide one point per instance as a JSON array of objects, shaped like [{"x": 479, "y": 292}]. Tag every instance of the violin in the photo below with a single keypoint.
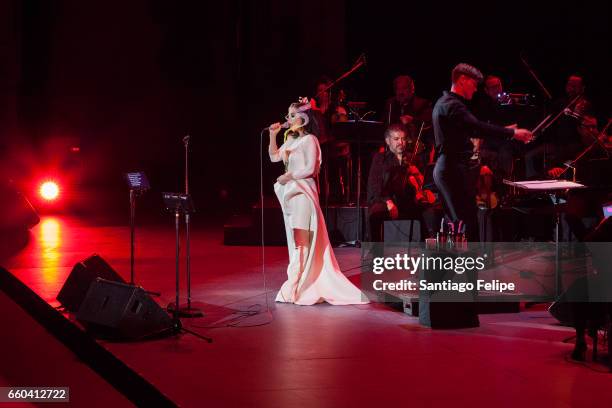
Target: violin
[{"x": 416, "y": 178}]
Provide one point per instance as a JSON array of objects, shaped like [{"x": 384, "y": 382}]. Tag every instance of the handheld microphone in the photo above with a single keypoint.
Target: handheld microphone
[
  {"x": 299, "y": 112},
  {"x": 282, "y": 126}
]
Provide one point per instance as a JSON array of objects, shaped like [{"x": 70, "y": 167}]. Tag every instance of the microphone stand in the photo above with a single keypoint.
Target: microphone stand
[
  {"x": 138, "y": 184},
  {"x": 132, "y": 232},
  {"x": 188, "y": 311},
  {"x": 359, "y": 227},
  {"x": 546, "y": 123},
  {"x": 535, "y": 77},
  {"x": 180, "y": 203},
  {"x": 360, "y": 61},
  {"x": 542, "y": 126}
]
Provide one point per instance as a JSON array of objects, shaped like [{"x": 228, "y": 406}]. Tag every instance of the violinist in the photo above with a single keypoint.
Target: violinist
[
  {"x": 332, "y": 108},
  {"x": 567, "y": 130},
  {"x": 563, "y": 141},
  {"x": 328, "y": 109},
  {"x": 395, "y": 186}
]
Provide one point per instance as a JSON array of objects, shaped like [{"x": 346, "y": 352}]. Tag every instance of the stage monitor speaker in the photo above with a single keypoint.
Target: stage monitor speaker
[
  {"x": 448, "y": 315},
  {"x": 440, "y": 309},
  {"x": 342, "y": 223},
  {"x": 121, "y": 311},
  {"x": 588, "y": 287},
  {"x": 573, "y": 304},
  {"x": 83, "y": 274}
]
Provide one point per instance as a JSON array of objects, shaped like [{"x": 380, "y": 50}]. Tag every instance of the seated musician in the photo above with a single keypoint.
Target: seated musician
[
  {"x": 486, "y": 105},
  {"x": 592, "y": 168},
  {"x": 405, "y": 106},
  {"x": 321, "y": 108},
  {"x": 394, "y": 187},
  {"x": 328, "y": 109},
  {"x": 332, "y": 107},
  {"x": 496, "y": 156},
  {"x": 587, "y": 129},
  {"x": 563, "y": 140},
  {"x": 410, "y": 110}
]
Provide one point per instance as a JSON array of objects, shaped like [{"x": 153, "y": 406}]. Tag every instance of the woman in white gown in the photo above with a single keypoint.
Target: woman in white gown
[{"x": 313, "y": 272}]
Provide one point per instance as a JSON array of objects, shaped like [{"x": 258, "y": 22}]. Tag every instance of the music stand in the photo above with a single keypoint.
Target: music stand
[
  {"x": 138, "y": 183},
  {"x": 181, "y": 204},
  {"x": 553, "y": 188},
  {"x": 359, "y": 131}
]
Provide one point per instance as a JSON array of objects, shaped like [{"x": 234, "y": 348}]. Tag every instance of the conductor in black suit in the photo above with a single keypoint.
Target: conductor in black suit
[{"x": 455, "y": 175}]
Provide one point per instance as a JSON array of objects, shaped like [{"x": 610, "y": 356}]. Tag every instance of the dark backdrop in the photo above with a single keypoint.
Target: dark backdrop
[
  {"x": 127, "y": 80},
  {"x": 426, "y": 40}
]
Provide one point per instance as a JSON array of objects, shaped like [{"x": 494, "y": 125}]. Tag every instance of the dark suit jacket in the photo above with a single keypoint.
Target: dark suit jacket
[{"x": 388, "y": 180}]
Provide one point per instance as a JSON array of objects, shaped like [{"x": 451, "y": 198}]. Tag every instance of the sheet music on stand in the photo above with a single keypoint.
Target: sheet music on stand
[{"x": 544, "y": 185}]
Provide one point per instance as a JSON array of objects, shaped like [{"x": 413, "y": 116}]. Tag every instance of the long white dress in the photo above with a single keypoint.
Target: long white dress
[{"x": 313, "y": 272}]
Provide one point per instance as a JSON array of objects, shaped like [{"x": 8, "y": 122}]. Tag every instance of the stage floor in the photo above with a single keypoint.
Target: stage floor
[{"x": 309, "y": 356}]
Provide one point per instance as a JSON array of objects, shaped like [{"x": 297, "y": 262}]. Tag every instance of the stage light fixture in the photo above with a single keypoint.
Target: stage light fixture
[{"x": 49, "y": 190}]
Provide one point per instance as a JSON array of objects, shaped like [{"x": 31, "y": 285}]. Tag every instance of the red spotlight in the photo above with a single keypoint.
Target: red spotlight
[{"x": 49, "y": 190}]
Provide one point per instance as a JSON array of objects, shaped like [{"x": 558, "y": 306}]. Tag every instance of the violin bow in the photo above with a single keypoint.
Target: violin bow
[{"x": 416, "y": 144}]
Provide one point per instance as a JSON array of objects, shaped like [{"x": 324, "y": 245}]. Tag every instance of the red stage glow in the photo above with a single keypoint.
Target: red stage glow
[{"x": 49, "y": 190}]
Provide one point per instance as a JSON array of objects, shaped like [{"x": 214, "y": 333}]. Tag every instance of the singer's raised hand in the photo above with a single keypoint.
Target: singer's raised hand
[
  {"x": 274, "y": 128},
  {"x": 273, "y": 147}
]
